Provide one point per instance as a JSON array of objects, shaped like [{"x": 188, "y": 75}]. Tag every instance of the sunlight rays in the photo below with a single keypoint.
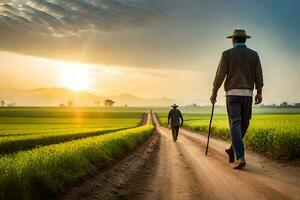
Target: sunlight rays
[{"x": 76, "y": 77}]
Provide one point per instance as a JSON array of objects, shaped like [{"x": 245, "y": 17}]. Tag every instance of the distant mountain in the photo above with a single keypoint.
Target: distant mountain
[
  {"x": 132, "y": 100},
  {"x": 55, "y": 96},
  {"x": 126, "y": 98},
  {"x": 49, "y": 97}
]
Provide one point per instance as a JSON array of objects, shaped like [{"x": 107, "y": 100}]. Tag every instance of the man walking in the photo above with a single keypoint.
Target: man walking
[
  {"x": 175, "y": 115},
  {"x": 242, "y": 69}
]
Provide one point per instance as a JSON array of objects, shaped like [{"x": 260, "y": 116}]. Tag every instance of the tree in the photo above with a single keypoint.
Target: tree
[
  {"x": 194, "y": 105},
  {"x": 70, "y": 103},
  {"x": 11, "y": 104},
  {"x": 2, "y": 103},
  {"x": 62, "y": 105},
  {"x": 284, "y": 104},
  {"x": 97, "y": 103},
  {"x": 108, "y": 102},
  {"x": 297, "y": 105}
]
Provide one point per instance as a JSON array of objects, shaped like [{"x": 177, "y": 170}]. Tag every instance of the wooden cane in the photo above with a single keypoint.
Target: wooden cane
[{"x": 209, "y": 128}]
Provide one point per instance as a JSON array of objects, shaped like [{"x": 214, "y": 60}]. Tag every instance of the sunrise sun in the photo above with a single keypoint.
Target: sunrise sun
[{"x": 76, "y": 77}]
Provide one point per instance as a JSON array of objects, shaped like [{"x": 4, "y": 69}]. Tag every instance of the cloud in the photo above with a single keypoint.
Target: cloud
[
  {"x": 50, "y": 28},
  {"x": 140, "y": 33},
  {"x": 63, "y": 18}
]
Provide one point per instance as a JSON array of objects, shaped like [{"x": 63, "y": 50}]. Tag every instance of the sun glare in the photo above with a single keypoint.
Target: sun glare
[{"x": 76, "y": 77}]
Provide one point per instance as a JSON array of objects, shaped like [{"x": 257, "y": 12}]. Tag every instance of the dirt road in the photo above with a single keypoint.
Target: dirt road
[{"x": 182, "y": 171}]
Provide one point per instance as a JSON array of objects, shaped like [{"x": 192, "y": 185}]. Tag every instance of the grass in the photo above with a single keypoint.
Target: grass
[
  {"x": 46, "y": 171},
  {"x": 277, "y": 135}
]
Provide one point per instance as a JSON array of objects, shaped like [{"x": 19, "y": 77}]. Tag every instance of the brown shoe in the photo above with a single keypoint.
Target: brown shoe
[
  {"x": 239, "y": 164},
  {"x": 230, "y": 155}
]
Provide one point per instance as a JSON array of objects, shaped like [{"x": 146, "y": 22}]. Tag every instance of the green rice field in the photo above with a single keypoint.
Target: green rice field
[
  {"x": 23, "y": 129},
  {"x": 44, "y": 150},
  {"x": 29, "y": 121}
]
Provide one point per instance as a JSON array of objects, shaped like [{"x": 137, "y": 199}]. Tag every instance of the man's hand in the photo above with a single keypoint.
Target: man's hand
[
  {"x": 180, "y": 124},
  {"x": 258, "y": 99},
  {"x": 213, "y": 98}
]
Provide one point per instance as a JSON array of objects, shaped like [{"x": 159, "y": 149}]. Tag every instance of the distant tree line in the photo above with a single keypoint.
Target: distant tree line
[
  {"x": 283, "y": 104},
  {"x": 107, "y": 102},
  {"x": 4, "y": 104}
]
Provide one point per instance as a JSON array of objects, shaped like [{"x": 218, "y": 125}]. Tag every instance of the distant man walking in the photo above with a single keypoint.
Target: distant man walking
[
  {"x": 175, "y": 116},
  {"x": 242, "y": 69}
]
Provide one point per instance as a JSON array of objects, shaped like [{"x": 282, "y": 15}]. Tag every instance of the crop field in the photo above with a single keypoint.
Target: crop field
[
  {"x": 20, "y": 121},
  {"x": 16, "y": 126},
  {"x": 23, "y": 129},
  {"x": 48, "y": 170},
  {"x": 276, "y": 134},
  {"x": 43, "y": 150}
]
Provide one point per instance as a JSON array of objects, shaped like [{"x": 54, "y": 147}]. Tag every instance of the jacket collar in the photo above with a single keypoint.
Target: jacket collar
[{"x": 240, "y": 45}]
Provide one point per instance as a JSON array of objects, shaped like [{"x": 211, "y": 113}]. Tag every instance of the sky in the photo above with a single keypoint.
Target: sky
[{"x": 147, "y": 48}]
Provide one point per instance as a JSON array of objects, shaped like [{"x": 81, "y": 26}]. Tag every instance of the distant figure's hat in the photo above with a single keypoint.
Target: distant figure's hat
[
  {"x": 239, "y": 33},
  {"x": 174, "y": 105}
]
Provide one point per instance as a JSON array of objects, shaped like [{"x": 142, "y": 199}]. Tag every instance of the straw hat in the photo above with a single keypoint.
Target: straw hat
[
  {"x": 239, "y": 33},
  {"x": 174, "y": 105}
]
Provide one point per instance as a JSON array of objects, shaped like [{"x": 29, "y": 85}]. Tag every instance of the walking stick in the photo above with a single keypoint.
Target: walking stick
[{"x": 209, "y": 128}]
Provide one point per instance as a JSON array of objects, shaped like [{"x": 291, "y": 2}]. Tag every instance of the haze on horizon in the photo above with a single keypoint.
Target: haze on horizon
[{"x": 146, "y": 48}]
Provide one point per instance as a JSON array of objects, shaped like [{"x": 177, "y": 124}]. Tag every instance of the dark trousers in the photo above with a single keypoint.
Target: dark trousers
[
  {"x": 175, "y": 131},
  {"x": 239, "y": 109}
]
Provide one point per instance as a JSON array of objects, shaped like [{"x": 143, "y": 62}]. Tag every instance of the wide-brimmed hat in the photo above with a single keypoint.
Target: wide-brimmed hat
[
  {"x": 239, "y": 33},
  {"x": 174, "y": 105}
]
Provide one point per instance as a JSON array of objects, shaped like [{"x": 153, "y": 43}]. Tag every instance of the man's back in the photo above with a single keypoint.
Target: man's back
[
  {"x": 242, "y": 69},
  {"x": 175, "y": 115}
]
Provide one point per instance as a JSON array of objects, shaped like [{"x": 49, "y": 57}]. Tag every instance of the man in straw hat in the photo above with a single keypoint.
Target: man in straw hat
[
  {"x": 241, "y": 69},
  {"x": 175, "y": 115}
]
